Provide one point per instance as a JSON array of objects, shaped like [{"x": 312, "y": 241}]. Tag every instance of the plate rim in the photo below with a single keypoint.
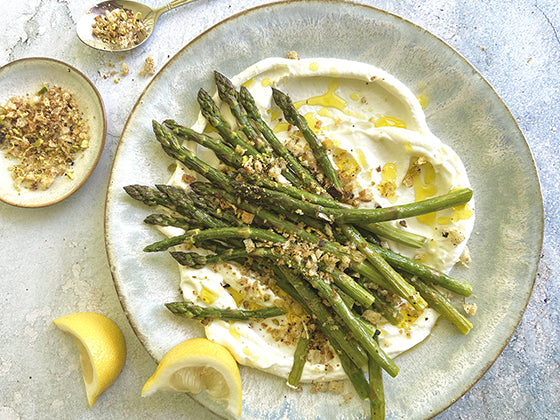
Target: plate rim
[
  {"x": 279, "y": 3},
  {"x": 94, "y": 162}
]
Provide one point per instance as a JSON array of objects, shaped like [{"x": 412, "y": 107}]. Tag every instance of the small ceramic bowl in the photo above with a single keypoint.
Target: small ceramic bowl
[{"x": 27, "y": 75}]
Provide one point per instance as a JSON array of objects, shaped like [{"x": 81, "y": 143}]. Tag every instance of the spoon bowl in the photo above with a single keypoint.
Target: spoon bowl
[{"x": 149, "y": 17}]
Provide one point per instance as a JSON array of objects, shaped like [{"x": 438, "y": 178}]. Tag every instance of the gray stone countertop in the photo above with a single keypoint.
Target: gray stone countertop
[{"x": 515, "y": 44}]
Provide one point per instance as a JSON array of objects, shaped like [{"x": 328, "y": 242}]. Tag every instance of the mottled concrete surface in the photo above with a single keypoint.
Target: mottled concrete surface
[{"x": 53, "y": 260}]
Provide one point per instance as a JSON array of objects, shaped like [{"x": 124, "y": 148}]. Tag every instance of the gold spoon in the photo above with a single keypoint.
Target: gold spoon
[{"x": 148, "y": 16}]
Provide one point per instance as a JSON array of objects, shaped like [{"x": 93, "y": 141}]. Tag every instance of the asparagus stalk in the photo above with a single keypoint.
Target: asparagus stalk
[
  {"x": 376, "y": 393},
  {"x": 441, "y": 304},
  {"x": 171, "y": 146},
  {"x": 192, "y": 311},
  {"x": 229, "y": 95},
  {"x": 387, "y": 231},
  {"x": 202, "y": 204},
  {"x": 398, "y": 283},
  {"x": 290, "y": 113},
  {"x": 424, "y": 272},
  {"x": 350, "y": 320},
  {"x": 352, "y": 215},
  {"x": 307, "y": 179},
  {"x": 228, "y": 155},
  {"x": 211, "y": 112},
  {"x": 384, "y": 308},
  {"x": 153, "y": 197},
  {"x": 307, "y": 297},
  {"x": 300, "y": 356},
  {"x": 197, "y": 235},
  {"x": 167, "y": 220},
  {"x": 225, "y": 153}
]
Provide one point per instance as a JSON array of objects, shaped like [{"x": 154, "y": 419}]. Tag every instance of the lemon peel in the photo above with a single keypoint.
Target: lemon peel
[
  {"x": 197, "y": 365},
  {"x": 101, "y": 346}
]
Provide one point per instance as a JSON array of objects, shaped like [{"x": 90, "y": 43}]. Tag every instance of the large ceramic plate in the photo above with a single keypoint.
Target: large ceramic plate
[{"x": 464, "y": 112}]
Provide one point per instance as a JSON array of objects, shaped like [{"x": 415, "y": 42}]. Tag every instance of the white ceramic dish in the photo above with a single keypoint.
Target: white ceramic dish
[
  {"x": 27, "y": 76},
  {"x": 464, "y": 112}
]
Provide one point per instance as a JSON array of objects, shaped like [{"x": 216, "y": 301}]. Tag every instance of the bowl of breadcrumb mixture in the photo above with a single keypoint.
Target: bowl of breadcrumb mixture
[{"x": 52, "y": 131}]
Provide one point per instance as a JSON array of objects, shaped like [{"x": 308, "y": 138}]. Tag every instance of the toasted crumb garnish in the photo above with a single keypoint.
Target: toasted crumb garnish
[
  {"x": 465, "y": 257},
  {"x": 45, "y": 132},
  {"x": 413, "y": 170},
  {"x": 247, "y": 218},
  {"x": 149, "y": 67},
  {"x": 124, "y": 69},
  {"x": 293, "y": 55},
  {"x": 470, "y": 308},
  {"x": 365, "y": 196},
  {"x": 455, "y": 236},
  {"x": 335, "y": 387},
  {"x": 371, "y": 316},
  {"x": 249, "y": 245},
  {"x": 120, "y": 27},
  {"x": 346, "y": 398}
]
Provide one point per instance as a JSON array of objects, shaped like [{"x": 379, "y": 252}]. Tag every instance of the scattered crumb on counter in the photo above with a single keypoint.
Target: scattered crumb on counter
[
  {"x": 149, "y": 67},
  {"x": 109, "y": 73},
  {"x": 124, "y": 69}
]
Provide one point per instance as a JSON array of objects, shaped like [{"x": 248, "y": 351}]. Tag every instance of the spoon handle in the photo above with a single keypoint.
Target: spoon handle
[{"x": 175, "y": 3}]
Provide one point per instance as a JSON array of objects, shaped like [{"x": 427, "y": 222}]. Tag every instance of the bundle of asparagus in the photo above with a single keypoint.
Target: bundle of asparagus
[{"x": 291, "y": 223}]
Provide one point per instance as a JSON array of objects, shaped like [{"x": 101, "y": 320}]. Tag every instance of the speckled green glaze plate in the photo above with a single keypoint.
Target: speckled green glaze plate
[{"x": 464, "y": 112}]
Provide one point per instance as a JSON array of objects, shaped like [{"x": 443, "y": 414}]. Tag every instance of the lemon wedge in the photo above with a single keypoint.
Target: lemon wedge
[
  {"x": 102, "y": 349},
  {"x": 196, "y": 365}
]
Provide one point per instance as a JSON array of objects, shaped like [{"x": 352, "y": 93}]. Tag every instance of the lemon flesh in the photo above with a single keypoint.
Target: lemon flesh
[
  {"x": 101, "y": 346},
  {"x": 198, "y": 365}
]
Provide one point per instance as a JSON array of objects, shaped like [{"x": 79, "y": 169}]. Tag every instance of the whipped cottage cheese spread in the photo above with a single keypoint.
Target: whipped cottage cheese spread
[{"x": 376, "y": 133}]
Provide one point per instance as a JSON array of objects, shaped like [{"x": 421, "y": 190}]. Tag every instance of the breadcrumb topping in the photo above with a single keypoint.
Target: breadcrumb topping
[
  {"x": 293, "y": 55},
  {"x": 149, "y": 67},
  {"x": 470, "y": 308},
  {"x": 45, "y": 132},
  {"x": 120, "y": 27}
]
